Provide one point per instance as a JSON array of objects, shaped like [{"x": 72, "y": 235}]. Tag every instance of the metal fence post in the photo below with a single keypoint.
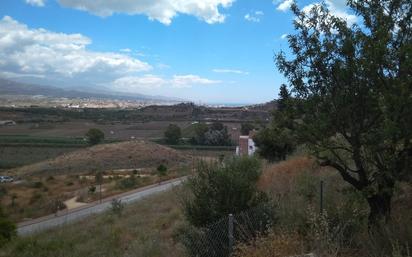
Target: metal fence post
[
  {"x": 230, "y": 233},
  {"x": 321, "y": 197}
]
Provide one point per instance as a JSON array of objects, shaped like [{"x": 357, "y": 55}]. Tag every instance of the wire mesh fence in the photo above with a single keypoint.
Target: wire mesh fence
[{"x": 219, "y": 239}]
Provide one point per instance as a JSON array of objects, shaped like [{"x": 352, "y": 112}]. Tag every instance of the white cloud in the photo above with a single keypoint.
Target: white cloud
[
  {"x": 254, "y": 17},
  {"x": 132, "y": 83},
  {"x": 58, "y": 55},
  {"x": 161, "y": 10},
  {"x": 36, "y": 2},
  {"x": 285, "y": 5},
  {"x": 230, "y": 71},
  {"x": 284, "y": 36},
  {"x": 337, "y": 8},
  {"x": 163, "y": 66},
  {"x": 149, "y": 81},
  {"x": 125, "y": 50},
  {"x": 183, "y": 81}
]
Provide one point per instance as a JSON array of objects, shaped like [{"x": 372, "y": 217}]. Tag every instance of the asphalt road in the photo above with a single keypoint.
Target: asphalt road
[{"x": 65, "y": 217}]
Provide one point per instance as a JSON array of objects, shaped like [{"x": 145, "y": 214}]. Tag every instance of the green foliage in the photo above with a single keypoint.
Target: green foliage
[
  {"x": 161, "y": 170},
  {"x": 117, "y": 207},
  {"x": 353, "y": 92},
  {"x": 199, "y": 129},
  {"x": 245, "y": 128},
  {"x": 3, "y": 192},
  {"x": 99, "y": 178},
  {"x": 127, "y": 183},
  {"x": 94, "y": 136},
  {"x": 38, "y": 184},
  {"x": 215, "y": 135},
  {"x": 173, "y": 134},
  {"x": 57, "y": 205},
  {"x": 217, "y": 126},
  {"x": 219, "y": 189},
  {"x": 278, "y": 140},
  {"x": 7, "y": 228},
  {"x": 92, "y": 189}
]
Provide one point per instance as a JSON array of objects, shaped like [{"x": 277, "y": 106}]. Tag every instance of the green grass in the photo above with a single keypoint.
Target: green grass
[
  {"x": 26, "y": 140},
  {"x": 12, "y": 156},
  {"x": 19, "y": 150},
  {"x": 203, "y": 147},
  {"x": 144, "y": 229}
]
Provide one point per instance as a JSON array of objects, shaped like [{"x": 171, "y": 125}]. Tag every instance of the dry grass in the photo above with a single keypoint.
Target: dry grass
[
  {"x": 144, "y": 229},
  {"x": 278, "y": 244},
  {"x": 281, "y": 177},
  {"x": 124, "y": 155}
]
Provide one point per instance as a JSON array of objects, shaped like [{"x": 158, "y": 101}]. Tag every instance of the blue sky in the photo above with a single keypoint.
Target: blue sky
[{"x": 212, "y": 51}]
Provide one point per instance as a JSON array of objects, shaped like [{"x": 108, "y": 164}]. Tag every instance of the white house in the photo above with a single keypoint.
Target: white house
[{"x": 246, "y": 146}]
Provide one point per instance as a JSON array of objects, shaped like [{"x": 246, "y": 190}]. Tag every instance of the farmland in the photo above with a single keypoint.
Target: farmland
[{"x": 46, "y": 150}]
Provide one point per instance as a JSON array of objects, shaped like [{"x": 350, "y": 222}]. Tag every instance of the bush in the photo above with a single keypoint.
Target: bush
[
  {"x": 245, "y": 128},
  {"x": 3, "y": 192},
  {"x": 220, "y": 189},
  {"x": 7, "y": 228},
  {"x": 161, "y": 170},
  {"x": 92, "y": 189},
  {"x": 38, "y": 184},
  {"x": 173, "y": 134},
  {"x": 94, "y": 136},
  {"x": 117, "y": 207},
  {"x": 127, "y": 183}
]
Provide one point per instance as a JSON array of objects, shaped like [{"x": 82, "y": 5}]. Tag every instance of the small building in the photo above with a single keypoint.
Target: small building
[
  {"x": 246, "y": 146},
  {"x": 7, "y": 123}
]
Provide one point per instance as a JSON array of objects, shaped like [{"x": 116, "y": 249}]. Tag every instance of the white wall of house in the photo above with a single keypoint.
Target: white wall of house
[{"x": 251, "y": 147}]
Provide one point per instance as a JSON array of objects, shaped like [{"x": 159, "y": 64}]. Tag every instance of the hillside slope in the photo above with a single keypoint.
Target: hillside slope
[{"x": 124, "y": 155}]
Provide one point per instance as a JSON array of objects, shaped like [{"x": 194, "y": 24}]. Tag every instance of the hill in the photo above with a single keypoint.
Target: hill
[
  {"x": 9, "y": 87},
  {"x": 124, "y": 155}
]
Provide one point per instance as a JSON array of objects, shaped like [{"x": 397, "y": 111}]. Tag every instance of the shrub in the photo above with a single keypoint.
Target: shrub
[
  {"x": 173, "y": 134},
  {"x": 35, "y": 197},
  {"x": 38, "y": 184},
  {"x": 94, "y": 136},
  {"x": 127, "y": 183},
  {"x": 3, "y": 192},
  {"x": 7, "y": 228},
  {"x": 92, "y": 189},
  {"x": 246, "y": 128},
  {"x": 161, "y": 170},
  {"x": 117, "y": 207},
  {"x": 217, "y": 190}
]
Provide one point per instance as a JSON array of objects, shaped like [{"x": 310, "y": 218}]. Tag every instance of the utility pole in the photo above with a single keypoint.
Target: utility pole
[
  {"x": 321, "y": 197},
  {"x": 230, "y": 233}
]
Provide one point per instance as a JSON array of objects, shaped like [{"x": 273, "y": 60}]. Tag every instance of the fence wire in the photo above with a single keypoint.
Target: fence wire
[{"x": 218, "y": 239}]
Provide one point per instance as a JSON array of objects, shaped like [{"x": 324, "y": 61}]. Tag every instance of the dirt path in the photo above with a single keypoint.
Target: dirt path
[{"x": 72, "y": 203}]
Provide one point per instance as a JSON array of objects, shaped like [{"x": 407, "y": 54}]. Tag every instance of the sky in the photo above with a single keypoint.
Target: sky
[{"x": 206, "y": 51}]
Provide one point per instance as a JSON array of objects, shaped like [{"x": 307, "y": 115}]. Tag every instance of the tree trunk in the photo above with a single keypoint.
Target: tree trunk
[{"x": 380, "y": 209}]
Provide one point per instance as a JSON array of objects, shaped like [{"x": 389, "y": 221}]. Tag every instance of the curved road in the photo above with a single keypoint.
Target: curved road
[{"x": 43, "y": 223}]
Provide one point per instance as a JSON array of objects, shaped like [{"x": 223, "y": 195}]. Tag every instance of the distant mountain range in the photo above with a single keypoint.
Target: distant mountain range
[{"x": 9, "y": 87}]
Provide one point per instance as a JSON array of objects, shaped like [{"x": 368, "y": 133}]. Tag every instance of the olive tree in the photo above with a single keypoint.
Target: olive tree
[
  {"x": 173, "y": 134},
  {"x": 354, "y": 86},
  {"x": 94, "y": 136}
]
